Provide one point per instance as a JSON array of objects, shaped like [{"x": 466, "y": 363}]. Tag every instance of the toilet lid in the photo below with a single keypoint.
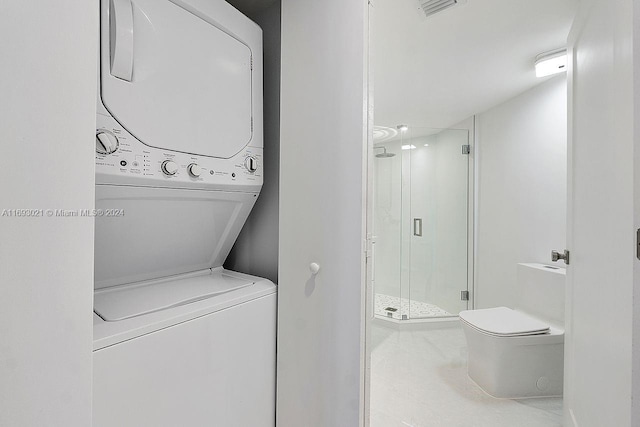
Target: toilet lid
[{"x": 503, "y": 321}]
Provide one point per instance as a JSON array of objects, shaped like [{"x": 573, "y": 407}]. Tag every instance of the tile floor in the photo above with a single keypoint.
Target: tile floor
[
  {"x": 413, "y": 309},
  {"x": 419, "y": 379}
]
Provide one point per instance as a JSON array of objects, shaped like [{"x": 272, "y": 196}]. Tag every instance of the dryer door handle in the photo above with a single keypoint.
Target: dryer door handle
[{"x": 121, "y": 38}]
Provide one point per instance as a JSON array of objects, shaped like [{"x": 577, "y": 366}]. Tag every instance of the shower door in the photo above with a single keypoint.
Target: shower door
[
  {"x": 437, "y": 216},
  {"x": 421, "y": 222},
  {"x": 388, "y": 259}
]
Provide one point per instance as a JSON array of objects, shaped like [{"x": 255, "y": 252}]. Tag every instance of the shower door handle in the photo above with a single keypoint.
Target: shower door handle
[{"x": 417, "y": 227}]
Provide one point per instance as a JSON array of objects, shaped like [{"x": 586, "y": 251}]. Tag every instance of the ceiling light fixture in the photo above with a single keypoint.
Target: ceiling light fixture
[
  {"x": 552, "y": 62},
  {"x": 408, "y": 147}
]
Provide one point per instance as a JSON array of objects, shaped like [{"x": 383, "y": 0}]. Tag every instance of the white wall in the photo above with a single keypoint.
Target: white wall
[
  {"x": 256, "y": 249},
  {"x": 323, "y": 136},
  {"x": 522, "y": 198},
  {"x": 47, "y": 105}
]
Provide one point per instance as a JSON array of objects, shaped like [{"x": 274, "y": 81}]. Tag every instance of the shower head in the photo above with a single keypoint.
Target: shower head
[{"x": 384, "y": 154}]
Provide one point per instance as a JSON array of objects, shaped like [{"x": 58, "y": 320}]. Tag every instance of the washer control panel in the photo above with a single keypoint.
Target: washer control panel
[{"x": 122, "y": 159}]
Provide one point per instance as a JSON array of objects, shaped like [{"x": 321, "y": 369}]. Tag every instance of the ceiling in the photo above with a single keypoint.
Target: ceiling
[{"x": 437, "y": 71}]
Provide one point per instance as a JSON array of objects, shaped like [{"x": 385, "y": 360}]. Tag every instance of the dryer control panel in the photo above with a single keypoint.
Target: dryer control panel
[{"x": 121, "y": 159}]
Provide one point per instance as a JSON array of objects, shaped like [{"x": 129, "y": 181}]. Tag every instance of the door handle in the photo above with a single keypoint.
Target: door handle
[
  {"x": 314, "y": 268},
  {"x": 417, "y": 227},
  {"x": 556, "y": 256},
  {"x": 121, "y": 39}
]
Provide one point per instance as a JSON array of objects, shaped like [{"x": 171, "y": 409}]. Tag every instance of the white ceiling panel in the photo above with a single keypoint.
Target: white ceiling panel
[{"x": 436, "y": 71}]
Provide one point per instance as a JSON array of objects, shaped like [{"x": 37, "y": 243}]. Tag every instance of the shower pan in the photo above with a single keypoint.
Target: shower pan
[{"x": 421, "y": 222}]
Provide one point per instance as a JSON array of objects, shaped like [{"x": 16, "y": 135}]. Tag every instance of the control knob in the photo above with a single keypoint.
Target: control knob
[
  {"x": 169, "y": 167},
  {"x": 251, "y": 164},
  {"x": 194, "y": 170},
  {"x": 106, "y": 142}
]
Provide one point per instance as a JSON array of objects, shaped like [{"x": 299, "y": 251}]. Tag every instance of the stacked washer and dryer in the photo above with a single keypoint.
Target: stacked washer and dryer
[{"x": 179, "y": 340}]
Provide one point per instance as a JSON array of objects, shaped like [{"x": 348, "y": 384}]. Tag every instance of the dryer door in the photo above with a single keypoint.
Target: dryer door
[{"x": 176, "y": 79}]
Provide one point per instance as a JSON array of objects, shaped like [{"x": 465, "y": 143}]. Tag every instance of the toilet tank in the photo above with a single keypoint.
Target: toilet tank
[{"x": 541, "y": 290}]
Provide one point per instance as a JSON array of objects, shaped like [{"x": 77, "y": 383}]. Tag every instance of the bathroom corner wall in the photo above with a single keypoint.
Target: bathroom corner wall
[
  {"x": 522, "y": 167},
  {"x": 256, "y": 249}
]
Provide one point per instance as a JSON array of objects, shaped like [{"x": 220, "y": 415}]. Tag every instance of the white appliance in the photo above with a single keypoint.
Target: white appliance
[{"x": 178, "y": 340}]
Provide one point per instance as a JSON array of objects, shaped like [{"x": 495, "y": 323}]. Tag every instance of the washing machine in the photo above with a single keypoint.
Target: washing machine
[{"x": 179, "y": 340}]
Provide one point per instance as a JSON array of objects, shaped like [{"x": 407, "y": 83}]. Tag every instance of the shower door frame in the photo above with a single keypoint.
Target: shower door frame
[
  {"x": 468, "y": 125},
  {"x": 471, "y": 233}
]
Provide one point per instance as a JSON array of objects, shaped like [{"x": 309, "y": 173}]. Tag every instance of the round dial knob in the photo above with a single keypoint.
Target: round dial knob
[
  {"x": 251, "y": 164},
  {"x": 169, "y": 167},
  {"x": 194, "y": 170},
  {"x": 106, "y": 142}
]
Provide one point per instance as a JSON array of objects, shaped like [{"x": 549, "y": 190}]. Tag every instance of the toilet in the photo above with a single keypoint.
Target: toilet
[{"x": 519, "y": 352}]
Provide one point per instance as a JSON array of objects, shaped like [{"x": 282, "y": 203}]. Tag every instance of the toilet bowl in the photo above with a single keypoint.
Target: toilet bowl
[{"x": 519, "y": 352}]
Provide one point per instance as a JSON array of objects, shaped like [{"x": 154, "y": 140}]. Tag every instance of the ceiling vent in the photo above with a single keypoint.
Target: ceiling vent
[{"x": 431, "y": 7}]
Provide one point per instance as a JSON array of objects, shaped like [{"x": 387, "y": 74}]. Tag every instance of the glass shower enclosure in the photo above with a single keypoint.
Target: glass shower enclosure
[{"x": 421, "y": 222}]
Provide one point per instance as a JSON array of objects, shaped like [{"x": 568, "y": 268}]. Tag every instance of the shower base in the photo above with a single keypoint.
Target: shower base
[{"x": 385, "y": 305}]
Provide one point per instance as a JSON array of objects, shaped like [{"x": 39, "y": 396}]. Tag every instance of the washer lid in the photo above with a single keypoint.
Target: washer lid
[
  {"x": 503, "y": 321},
  {"x": 176, "y": 79},
  {"x": 164, "y": 231},
  {"x": 123, "y": 302}
]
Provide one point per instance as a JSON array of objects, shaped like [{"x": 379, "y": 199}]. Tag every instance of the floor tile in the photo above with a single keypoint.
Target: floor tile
[{"x": 419, "y": 379}]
